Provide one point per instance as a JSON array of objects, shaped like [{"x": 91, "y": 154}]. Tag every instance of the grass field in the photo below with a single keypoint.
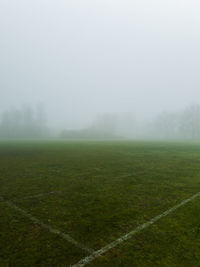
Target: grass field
[{"x": 95, "y": 192}]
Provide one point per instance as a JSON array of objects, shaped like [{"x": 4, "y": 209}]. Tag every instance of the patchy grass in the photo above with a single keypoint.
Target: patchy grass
[{"x": 101, "y": 190}]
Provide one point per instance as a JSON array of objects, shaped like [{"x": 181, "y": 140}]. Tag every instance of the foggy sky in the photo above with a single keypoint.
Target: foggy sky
[{"x": 84, "y": 57}]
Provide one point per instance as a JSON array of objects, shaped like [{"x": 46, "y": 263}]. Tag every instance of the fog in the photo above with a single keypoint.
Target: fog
[{"x": 99, "y": 69}]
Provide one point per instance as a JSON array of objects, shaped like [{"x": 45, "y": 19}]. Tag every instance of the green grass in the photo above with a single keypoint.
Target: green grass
[{"x": 107, "y": 189}]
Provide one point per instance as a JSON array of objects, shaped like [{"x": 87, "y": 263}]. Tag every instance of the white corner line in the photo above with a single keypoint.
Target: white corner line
[
  {"x": 127, "y": 236},
  {"x": 47, "y": 227}
]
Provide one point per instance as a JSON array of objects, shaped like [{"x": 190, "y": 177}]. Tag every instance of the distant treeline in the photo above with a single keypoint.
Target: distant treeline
[
  {"x": 27, "y": 122},
  {"x": 183, "y": 125},
  {"x": 103, "y": 127},
  {"x": 24, "y": 122}
]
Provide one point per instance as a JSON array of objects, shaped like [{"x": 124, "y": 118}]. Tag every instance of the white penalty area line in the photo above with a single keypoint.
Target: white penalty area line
[
  {"x": 47, "y": 227},
  {"x": 129, "y": 235}
]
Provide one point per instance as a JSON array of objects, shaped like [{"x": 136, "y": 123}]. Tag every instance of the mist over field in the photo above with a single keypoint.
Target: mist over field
[
  {"x": 100, "y": 69},
  {"x": 99, "y": 133}
]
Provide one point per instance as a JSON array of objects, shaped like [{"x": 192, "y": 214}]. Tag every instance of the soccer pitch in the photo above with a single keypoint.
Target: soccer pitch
[{"x": 99, "y": 203}]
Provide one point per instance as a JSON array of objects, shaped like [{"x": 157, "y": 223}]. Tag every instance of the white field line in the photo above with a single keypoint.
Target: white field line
[
  {"x": 127, "y": 236},
  {"x": 47, "y": 227},
  {"x": 59, "y": 191},
  {"x": 42, "y": 194}
]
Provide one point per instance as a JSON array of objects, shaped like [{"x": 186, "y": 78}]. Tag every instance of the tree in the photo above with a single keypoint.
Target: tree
[
  {"x": 23, "y": 122},
  {"x": 190, "y": 122}
]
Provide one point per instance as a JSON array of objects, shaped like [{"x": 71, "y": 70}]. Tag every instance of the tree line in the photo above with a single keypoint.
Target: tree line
[
  {"x": 23, "y": 122},
  {"x": 28, "y": 122}
]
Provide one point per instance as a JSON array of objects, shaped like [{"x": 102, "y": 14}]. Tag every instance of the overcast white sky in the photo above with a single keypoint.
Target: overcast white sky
[{"x": 84, "y": 57}]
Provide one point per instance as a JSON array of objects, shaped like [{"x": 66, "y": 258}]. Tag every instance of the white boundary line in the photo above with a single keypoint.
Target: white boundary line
[
  {"x": 41, "y": 195},
  {"x": 113, "y": 244},
  {"x": 47, "y": 227}
]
